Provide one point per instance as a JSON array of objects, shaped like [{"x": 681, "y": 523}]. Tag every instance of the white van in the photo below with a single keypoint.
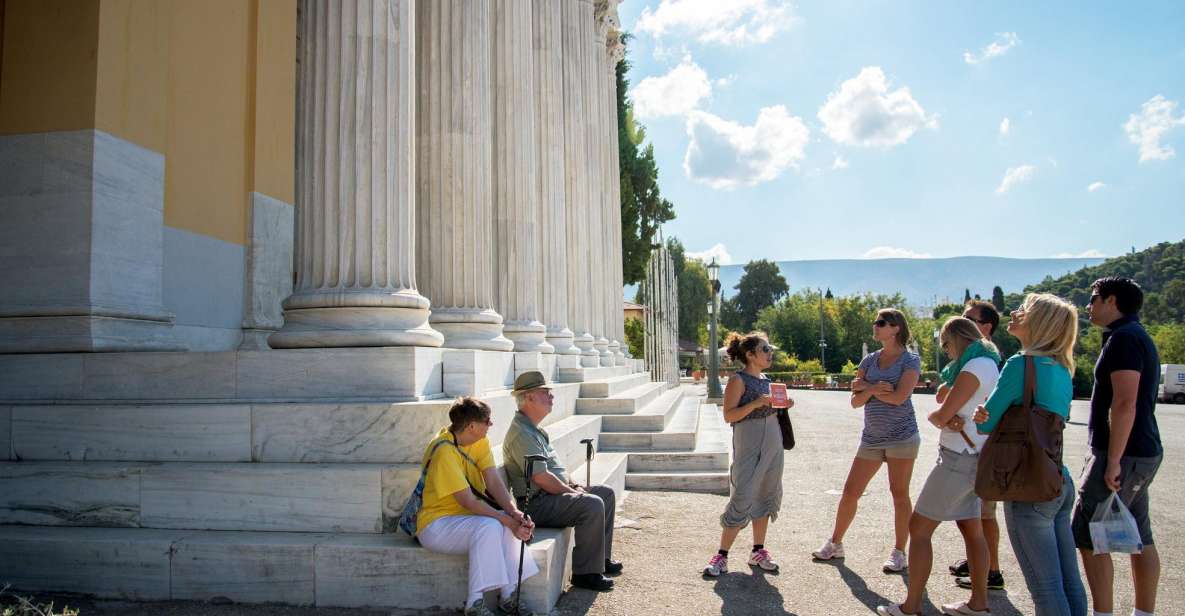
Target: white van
[{"x": 1172, "y": 383}]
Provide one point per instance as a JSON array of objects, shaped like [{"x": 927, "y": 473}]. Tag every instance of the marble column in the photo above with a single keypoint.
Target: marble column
[
  {"x": 454, "y": 164},
  {"x": 615, "y": 51},
  {"x": 515, "y": 177},
  {"x": 597, "y": 189},
  {"x": 355, "y": 223},
  {"x": 577, "y": 24},
  {"x": 546, "y": 34}
]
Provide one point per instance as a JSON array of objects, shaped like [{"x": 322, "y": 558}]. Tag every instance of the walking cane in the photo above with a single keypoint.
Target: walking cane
[
  {"x": 588, "y": 456},
  {"x": 528, "y": 463}
]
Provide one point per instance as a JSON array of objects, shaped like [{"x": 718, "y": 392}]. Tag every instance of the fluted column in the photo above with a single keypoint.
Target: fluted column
[
  {"x": 454, "y": 191},
  {"x": 546, "y": 34},
  {"x": 614, "y": 50},
  {"x": 577, "y": 24},
  {"x": 355, "y": 219},
  {"x": 597, "y": 189},
  {"x": 516, "y": 197}
]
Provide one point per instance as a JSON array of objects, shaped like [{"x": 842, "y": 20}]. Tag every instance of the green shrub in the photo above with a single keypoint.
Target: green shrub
[{"x": 20, "y": 606}]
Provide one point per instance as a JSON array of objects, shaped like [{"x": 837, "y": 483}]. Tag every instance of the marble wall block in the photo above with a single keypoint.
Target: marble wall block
[
  {"x": 174, "y": 433},
  {"x": 470, "y": 372},
  {"x": 5, "y": 433},
  {"x": 398, "y": 484},
  {"x": 70, "y": 494},
  {"x": 203, "y": 289},
  {"x": 96, "y": 561},
  {"x": 358, "y": 572},
  {"x": 351, "y": 432},
  {"x": 159, "y": 376},
  {"x": 244, "y": 567},
  {"x": 41, "y": 377},
  {"x": 268, "y": 269},
  {"x": 387, "y": 373},
  {"x": 272, "y": 497}
]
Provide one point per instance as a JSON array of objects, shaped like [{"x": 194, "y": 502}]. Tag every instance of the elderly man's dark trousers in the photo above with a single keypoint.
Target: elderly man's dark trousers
[{"x": 590, "y": 513}]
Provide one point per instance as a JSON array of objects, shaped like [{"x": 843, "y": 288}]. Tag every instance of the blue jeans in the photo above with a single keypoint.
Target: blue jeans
[{"x": 1044, "y": 546}]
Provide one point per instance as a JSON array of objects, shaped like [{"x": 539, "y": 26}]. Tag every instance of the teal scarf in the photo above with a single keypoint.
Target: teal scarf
[{"x": 974, "y": 350}]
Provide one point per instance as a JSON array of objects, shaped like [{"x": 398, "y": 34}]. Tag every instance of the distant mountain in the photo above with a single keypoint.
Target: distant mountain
[{"x": 921, "y": 281}]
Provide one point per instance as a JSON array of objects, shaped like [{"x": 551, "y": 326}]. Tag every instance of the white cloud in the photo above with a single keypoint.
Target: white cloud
[
  {"x": 724, "y": 154},
  {"x": 673, "y": 94},
  {"x": 730, "y": 22},
  {"x": 718, "y": 252},
  {"x": 1094, "y": 186},
  {"x": 892, "y": 252},
  {"x": 1146, "y": 129},
  {"x": 839, "y": 163},
  {"x": 1014, "y": 176},
  {"x": 1005, "y": 126},
  {"x": 725, "y": 81},
  {"x": 863, "y": 112},
  {"x": 1086, "y": 254},
  {"x": 1004, "y": 41}
]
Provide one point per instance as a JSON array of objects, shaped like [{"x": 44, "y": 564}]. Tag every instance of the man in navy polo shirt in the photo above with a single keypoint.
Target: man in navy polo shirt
[{"x": 1124, "y": 440}]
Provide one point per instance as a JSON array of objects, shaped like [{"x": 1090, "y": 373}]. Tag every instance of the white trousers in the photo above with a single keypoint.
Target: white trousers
[{"x": 493, "y": 550}]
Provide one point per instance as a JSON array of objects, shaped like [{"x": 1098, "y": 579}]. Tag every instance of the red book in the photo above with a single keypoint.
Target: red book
[{"x": 777, "y": 393}]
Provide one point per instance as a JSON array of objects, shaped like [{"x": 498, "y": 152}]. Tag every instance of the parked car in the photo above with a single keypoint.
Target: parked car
[{"x": 1172, "y": 383}]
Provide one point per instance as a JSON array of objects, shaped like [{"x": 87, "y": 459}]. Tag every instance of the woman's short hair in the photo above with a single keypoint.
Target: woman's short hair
[
  {"x": 896, "y": 317},
  {"x": 467, "y": 410},
  {"x": 740, "y": 345},
  {"x": 961, "y": 332},
  {"x": 1053, "y": 327}
]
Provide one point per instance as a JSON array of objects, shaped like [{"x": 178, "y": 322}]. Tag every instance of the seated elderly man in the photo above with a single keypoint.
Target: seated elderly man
[{"x": 554, "y": 500}]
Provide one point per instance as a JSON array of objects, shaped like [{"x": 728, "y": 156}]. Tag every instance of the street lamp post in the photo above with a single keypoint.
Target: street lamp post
[
  {"x": 714, "y": 392},
  {"x": 822, "y": 340}
]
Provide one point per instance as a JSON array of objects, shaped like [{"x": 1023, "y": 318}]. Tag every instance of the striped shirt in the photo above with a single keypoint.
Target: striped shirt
[{"x": 884, "y": 422}]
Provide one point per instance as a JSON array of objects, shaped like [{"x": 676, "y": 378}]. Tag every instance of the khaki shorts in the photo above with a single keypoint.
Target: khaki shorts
[
  {"x": 987, "y": 511},
  {"x": 898, "y": 450}
]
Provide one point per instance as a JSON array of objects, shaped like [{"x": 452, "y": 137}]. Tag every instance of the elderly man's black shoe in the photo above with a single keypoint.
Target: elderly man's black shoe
[
  {"x": 612, "y": 567},
  {"x": 592, "y": 581}
]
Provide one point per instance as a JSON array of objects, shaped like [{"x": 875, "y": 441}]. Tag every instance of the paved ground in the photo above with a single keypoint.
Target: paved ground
[{"x": 676, "y": 533}]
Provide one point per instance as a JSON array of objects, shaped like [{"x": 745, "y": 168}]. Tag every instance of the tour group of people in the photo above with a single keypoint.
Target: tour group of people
[
  {"x": 972, "y": 398},
  {"x": 467, "y": 509}
]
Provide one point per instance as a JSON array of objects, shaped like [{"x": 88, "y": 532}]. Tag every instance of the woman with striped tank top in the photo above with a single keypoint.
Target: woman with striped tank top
[{"x": 884, "y": 383}]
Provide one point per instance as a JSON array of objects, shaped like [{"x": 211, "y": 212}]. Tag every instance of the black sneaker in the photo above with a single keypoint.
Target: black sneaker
[
  {"x": 995, "y": 581},
  {"x": 960, "y": 568},
  {"x": 612, "y": 567},
  {"x": 592, "y": 581}
]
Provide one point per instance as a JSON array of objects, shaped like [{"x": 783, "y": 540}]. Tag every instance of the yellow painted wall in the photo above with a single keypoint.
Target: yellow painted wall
[{"x": 208, "y": 83}]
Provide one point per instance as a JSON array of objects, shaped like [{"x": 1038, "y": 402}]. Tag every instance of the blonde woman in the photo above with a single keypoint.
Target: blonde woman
[
  {"x": 1046, "y": 327},
  {"x": 949, "y": 493},
  {"x": 883, "y": 386},
  {"x": 755, "y": 479}
]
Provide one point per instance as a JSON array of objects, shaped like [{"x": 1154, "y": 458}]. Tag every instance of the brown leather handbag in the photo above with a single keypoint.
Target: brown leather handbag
[{"x": 1022, "y": 459}]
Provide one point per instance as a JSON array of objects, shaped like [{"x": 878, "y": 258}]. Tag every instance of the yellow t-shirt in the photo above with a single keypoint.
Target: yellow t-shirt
[{"x": 447, "y": 475}]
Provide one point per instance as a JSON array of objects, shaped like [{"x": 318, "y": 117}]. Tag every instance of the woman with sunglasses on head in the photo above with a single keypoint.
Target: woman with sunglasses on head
[
  {"x": 755, "y": 479},
  {"x": 457, "y": 516},
  {"x": 949, "y": 493},
  {"x": 1047, "y": 327},
  {"x": 884, "y": 383}
]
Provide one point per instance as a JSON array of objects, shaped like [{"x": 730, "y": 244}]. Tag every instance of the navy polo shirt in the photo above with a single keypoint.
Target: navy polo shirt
[{"x": 1126, "y": 346}]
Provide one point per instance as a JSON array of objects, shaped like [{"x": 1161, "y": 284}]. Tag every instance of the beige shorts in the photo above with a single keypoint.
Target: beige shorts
[
  {"x": 987, "y": 511},
  {"x": 899, "y": 450}
]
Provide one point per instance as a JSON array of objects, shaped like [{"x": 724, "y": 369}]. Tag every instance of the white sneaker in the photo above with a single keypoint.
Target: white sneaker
[
  {"x": 717, "y": 566},
  {"x": 892, "y": 610},
  {"x": 828, "y": 551},
  {"x": 761, "y": 558},
  {"x": 962, "y": 609},
  {"x": 896, "y": 563}
]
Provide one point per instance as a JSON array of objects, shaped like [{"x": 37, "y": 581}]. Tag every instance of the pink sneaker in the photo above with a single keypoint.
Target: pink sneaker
[
  {"x": 716, "y": 566},
  {"x": 761, "y": 558}
]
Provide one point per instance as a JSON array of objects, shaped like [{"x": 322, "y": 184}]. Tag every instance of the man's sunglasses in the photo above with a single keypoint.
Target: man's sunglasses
[
  {"x": 881, "y": 323},
  {"x": 971, "y": 318}
]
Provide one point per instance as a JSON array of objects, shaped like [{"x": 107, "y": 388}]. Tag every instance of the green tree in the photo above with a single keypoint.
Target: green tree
[
  {"x": 1170, "y": 342},
  {"x": 942, "y": 311},
  {"x": 998, "y": 298},
  {"x": 760, "y": 286},
  {"x": 635, "y": 336},
  {"x": 643, "y": 209},
  {"x": 966, "y": 296},
  {"x": 730, "y": 317},
  {"x": 695, "y": 291}
]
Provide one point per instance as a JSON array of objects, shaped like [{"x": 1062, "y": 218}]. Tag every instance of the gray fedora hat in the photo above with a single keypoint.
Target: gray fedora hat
[{"x": 531, "y": 379}]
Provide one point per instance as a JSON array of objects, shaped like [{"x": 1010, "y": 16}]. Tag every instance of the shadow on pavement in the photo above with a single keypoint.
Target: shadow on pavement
[
  {"x": 856, "y": 584},
  {"x": 744, "y": 594}
]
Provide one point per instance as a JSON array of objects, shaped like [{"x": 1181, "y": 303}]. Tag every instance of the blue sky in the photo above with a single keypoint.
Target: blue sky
[{"x": 843, "y": 129}]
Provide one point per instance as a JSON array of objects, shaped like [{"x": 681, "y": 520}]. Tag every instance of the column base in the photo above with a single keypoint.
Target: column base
[
  {"x": 543, "y": 362},
  {"x": 603, "y": 355},
  {"x": 562, "y": 340},
  {"x": 589, "y": 358},
  {"x": 470, "y": 328},
  {"x": 255, "y": 339},
  {"x": 471, "y": 372},
  {"x": 618, "y": 355},
  {"x": 355, "y": 327},
  {"x": 528, "y": 337}
]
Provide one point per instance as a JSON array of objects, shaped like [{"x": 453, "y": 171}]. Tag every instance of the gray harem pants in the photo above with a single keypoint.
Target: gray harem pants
[{"x": 755, "y": 479}]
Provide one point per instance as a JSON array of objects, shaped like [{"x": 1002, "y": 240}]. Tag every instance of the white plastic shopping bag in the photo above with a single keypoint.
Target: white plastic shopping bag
[{"x": 1113, "y": 528}]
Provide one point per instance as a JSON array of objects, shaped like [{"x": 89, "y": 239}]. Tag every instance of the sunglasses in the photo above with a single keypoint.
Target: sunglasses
[
  {"x": 1093, "y": 297},
  {"x": 971, "y": 318},
  {"x": 767, "y": 349},
  {"x": 881, "y": 323}
]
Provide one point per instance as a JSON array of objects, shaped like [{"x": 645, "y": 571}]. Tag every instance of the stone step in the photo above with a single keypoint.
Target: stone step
[
  {"x": 703, "y": 482},
  {"x": 655, "y": 462},
  {"x": 611, "y": 387},
  {"x": 679, "y": 435},
  {"x": 579, "y": 375},
  {"x": 626, "y": 402},
  {"x": 654, "y": 417},
  {"x": 323, "y": 569},
  {"x": 282, "y": 497},
  {"x": 345, "y": 432}
]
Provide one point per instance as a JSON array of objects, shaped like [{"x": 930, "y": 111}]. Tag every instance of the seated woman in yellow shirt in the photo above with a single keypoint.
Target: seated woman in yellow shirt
[{"x": 453, "y": 519}]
